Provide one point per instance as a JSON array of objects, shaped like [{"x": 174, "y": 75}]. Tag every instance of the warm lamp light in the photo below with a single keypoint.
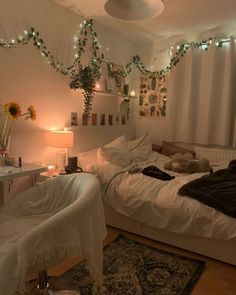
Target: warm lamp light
[{"x": 60, "y": 140}]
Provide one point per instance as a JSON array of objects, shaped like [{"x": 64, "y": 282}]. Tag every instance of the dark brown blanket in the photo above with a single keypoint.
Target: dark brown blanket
[{"x": 217, "y": 190}]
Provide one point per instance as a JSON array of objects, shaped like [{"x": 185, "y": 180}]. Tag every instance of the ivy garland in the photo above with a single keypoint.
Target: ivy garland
[
  {"x": 33, "y": 35},
  {"x": 86, "y": 77}
]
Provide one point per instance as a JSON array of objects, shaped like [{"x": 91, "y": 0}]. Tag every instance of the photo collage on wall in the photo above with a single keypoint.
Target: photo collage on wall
[
  {"x": 152, "y": 97},
  {"x": 98, "y": 119}
]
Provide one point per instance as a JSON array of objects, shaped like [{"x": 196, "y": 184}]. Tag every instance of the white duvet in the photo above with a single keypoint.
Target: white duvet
[{"x": 156, "y": 203}]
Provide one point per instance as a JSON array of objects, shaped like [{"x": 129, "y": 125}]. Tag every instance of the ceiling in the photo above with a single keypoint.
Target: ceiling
[{"x": 181, "y": 19}]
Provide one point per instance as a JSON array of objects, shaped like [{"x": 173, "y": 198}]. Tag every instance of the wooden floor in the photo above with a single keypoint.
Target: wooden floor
[{"x": 217, "y": 279}]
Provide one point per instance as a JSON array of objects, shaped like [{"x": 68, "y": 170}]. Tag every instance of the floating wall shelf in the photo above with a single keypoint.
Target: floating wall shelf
[{"x": 114, "y": 94}]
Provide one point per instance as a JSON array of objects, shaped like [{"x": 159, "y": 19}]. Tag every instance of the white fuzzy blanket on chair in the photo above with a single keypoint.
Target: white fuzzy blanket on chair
[{"x": 49, "y": 222}]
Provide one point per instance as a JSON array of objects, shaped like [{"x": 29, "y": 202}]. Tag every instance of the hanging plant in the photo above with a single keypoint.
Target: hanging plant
[{"x": 85, "y": 78}]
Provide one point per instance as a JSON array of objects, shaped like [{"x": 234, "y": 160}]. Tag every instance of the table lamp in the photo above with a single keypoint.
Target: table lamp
[{"x": 63, "y": 140}]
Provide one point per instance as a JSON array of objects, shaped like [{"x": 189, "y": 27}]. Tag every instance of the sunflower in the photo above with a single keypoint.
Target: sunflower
[
  {"x": 12, "y": 109},
  {"x": 31, "y": 113}
]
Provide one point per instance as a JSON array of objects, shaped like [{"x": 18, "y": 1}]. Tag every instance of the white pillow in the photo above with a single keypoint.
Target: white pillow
[
  {"x": 106, "y": 171},
  {"x": 87, "y": 159},
  {"x": 115, "y": 152},
  {"x": 140, "y": 148}
]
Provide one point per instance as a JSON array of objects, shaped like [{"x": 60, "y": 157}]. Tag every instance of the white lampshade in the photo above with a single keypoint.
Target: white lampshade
[
  {"x": 134, "y": 9},
  {"x": 60, "y": 139}
]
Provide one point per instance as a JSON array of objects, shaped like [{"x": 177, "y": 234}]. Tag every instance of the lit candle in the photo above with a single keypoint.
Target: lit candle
[
  {"x": 132, "y": 93},
  {"x": 97, "y": 86},
  {"x": 51, "y": 169}
]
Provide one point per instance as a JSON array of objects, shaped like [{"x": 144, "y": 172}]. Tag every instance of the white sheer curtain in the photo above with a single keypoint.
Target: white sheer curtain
[{"x": 202, "y": 96}]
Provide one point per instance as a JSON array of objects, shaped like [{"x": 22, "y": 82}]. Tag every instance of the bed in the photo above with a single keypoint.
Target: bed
[{"x": 152, "y": 207}]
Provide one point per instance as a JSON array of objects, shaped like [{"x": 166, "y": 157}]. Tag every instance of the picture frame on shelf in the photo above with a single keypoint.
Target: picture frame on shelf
[
  {"x": 102, "y": 120},
  {"x": 115, "y": 82},
  {"x": 94, "y": 119},
  {"x": 123, "y": 119},
  {"x": 113, "y": 87},
  {"x": 117, "y": 119},
  {"x": 85, "y": 119},
  {"x": 74, "y": 119},
  {"x": 110, "y": 119}
]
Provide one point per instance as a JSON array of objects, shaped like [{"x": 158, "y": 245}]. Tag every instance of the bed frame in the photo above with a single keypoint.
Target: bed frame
[{"x": 222, "y": 250}]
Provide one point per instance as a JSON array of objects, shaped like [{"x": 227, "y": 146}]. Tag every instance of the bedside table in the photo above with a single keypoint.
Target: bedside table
[
  {"x": 56, "y": 173},
  {"x": 9, "y": 173},
  {"x": 49, "y": 174}
]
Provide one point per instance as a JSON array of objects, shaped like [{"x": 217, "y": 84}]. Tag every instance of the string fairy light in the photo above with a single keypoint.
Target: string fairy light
[{"x": 80, "y": 43}]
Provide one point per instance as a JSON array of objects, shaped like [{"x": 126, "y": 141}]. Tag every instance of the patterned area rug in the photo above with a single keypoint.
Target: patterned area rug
[{"x": 132, "y": 268}]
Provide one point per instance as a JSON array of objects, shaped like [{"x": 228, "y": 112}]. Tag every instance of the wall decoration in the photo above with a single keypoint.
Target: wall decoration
[
  {"x": 117, "y": 119},
  {"x": 85, "y": 77},
  {"x": 123, "y": 117},
  {"x": 112, "y": 86},
  {"x": 74, "y": 119},
  {"x": 98, "y": 119},
  {"x": 115, "y": 81},
  {"x": 152, "y": 97},
  {"x": 94, "y": 119},
  {"x": 110, "y": 119},
  {"x": 102, "y": 120},
  {"x": 85, "y": 119}
]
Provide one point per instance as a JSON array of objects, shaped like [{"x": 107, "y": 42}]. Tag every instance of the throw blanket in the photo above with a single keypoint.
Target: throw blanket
[
  {"x": 49, "y": 222},
  {"x": 217, "y": 190}
]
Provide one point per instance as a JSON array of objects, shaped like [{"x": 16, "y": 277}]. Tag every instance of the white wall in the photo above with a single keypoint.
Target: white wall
[{"x": 27, "y": 78}]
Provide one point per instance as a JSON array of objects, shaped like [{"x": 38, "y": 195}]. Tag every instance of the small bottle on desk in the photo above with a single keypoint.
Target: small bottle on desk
[{"x": 20, "y": 162}]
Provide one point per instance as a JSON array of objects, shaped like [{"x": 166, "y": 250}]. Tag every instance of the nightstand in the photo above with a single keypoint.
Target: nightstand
[
  {"x": 56, "y": 173},
  {"x": 9, "y": 173}
]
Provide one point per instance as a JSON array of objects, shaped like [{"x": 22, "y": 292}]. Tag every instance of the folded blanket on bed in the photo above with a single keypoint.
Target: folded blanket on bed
[{"x": 217, "y": 190}]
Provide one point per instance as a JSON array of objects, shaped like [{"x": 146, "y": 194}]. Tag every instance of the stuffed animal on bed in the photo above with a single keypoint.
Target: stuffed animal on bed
[{"x": 185, "y": 163}]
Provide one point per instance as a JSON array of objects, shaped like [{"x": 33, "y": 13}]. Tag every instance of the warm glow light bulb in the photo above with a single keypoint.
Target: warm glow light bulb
[
  {"x": 132, "y": 93},
  {"x": 97, "y": 86}
]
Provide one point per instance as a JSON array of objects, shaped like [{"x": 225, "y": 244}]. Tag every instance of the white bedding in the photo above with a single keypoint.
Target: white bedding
[{"x": 157, "y": 203}]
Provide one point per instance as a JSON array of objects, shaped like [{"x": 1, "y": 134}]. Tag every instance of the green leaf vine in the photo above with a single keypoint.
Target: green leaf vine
[{"x": 86, "y": 77}]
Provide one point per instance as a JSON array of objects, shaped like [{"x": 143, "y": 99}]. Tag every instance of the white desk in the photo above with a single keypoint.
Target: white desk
[{"x": 10, "y": 173}]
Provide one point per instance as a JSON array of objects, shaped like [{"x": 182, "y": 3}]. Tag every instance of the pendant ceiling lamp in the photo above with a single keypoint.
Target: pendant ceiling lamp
[{"x": 134, "y": 9}]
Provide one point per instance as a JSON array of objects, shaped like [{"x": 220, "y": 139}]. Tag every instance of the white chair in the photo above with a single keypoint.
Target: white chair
[{"x": 49, "y": 222}]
